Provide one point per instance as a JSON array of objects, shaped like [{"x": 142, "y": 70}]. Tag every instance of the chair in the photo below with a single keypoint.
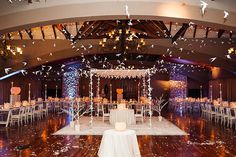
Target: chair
[
  {"x": 232, "y": 117},
  {"x": 99, "y": 109},
  {"x": 146, "y": 110},
  {"x": 226, "y": 115},
  {"x": 16, "y": 116},
  {"x": 105, "y": 113},
  {"x": 221, "y": 110},
  {"x": 203, "y": 109},
  {"x": 30, "y": 113},
  {"x": 56, "y": 106},
  {"x": 139, "y": 114},
  {"x": 212, "y": 111},
  {"x": 208, "y": 110},
  {"x": 188, "y": 106},
  {"x": 217, "y": 113},
  {"x": 6, "y": 119},
  {"x": 196, "y": 106},
  {"x": 24, "y": 115},
  {"x": 38, "y": 111},
  {"x": 45, "y": 109}
]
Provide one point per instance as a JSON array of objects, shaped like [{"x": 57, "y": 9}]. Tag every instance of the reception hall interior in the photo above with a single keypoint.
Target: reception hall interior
[{"x": 118, "y": 78}]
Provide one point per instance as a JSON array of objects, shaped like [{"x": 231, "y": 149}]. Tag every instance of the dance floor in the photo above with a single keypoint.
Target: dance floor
[
  {"x": 205, "y": 139},
  {"x": 157, "y": 128}
]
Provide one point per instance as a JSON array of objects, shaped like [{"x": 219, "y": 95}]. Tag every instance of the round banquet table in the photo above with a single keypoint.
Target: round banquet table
[
  {"x": 125, "y": 115},
  {"x": 119, "y": 144}
]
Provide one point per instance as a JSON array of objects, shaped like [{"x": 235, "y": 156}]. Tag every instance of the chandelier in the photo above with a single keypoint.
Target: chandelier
[
  {"x": 232, "y": 50},
  {"x": 7, "y": 50},
  {"x": 122, "y": 39}
]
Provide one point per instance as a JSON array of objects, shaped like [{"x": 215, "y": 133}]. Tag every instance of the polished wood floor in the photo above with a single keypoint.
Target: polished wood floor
[{"x": 205, "y": 139}]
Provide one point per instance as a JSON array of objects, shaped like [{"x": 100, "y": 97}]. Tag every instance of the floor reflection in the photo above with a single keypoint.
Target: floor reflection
[{"x": 205, "y": 139}]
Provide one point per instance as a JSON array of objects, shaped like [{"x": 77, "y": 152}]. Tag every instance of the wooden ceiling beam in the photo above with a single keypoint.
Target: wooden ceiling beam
[
  {"x": 64, "y": 31},
  {"x": 42, "y": 32},
  {"x": 94, "y": 29},
  {"x": 230, "y": 34},
  {"x": 83, "y": 30},
  {"x": 76, "y": 27},
  {"x": 9, "y": 36},
  {"x": 29, "y": 32},
  {"x": 162, "y": 27},
  {"x": 158, "y": 29},
  {"x": 170, "y": 27},
  {"x": 20, "y": 34},
  {"x": 54, "y": 31},
  {"x": 195, "y": 31},
  {"x": 220, "y": 33},
  {"x": 143, "y": 28},
  {"x": 207, "y": 32},
  {"x": 88, "y": 27},
  {"x": 181, "y": 32}
]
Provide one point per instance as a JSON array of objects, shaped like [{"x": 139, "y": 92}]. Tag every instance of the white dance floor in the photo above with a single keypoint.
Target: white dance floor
[{"x": 163, "y": 128}]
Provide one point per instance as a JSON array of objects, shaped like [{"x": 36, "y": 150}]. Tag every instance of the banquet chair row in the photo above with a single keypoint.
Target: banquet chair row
[
  {"x": 220, "y": 114},
  {"x": 28, "y": 113},
  {"x": 185, "y": 106}
]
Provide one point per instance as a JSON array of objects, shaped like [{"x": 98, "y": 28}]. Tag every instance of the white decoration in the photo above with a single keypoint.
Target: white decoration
[
  {"x": 127, "y": 11},
  {"x": 226, "y": 14},
  {"x": 204, "y": 6},
  {"x": 120, "y": 73}
]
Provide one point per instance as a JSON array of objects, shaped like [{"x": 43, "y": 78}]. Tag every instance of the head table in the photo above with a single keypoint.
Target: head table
[{"x": 122, "y": 115}]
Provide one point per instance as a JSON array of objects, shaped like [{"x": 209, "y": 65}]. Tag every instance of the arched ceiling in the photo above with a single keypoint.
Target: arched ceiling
[
  {"x": 171, "y": 29},
  {"x": 57, "y": 11}
]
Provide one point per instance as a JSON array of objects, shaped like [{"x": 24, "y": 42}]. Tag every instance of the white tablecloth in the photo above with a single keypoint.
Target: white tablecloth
[
  {"x": 119, "y": 144},
  {"x": 125, "y": 115}
]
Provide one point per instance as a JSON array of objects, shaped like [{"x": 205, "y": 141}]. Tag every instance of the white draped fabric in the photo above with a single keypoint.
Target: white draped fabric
[
  {"x": 119, "y": 144},
  {"x": 121, "y": 73},
  {"x": 125, "y": 115}
]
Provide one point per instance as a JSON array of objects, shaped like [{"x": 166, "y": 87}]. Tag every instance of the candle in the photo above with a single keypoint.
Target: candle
[
  {"x": 110, "y": 93},
  {"x": 211, "y": 92},
  {"x": 56, "y": 91},
  {"x": 29, "y": 99},
  {"x": 45, "y": 92},
  {"x": 220, "y": 93},
  {"x": 12, "y": 83},
  {"x": 201, "y": 91}
]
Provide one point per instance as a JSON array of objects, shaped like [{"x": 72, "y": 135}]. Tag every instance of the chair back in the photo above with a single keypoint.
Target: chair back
[
  {"x": 15, "y": 111},
  {"x": 221, "y": 110},
  {"x": 232, "y": 112}
]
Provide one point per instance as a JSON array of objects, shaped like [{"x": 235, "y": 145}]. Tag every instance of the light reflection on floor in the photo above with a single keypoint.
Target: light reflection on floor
[{"x": 205, "y": 139}]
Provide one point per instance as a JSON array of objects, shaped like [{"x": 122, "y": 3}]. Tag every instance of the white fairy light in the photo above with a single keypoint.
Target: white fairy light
[{"x": 91, "y": 97}]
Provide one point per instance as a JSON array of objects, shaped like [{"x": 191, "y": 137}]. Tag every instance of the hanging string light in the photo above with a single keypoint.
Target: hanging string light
[{"x": 7, "y": 50}]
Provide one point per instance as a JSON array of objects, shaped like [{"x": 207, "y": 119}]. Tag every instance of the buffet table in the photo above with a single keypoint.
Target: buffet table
[
  {"x": 124, "y": 115},
  {"x": 119, "y": 144}
]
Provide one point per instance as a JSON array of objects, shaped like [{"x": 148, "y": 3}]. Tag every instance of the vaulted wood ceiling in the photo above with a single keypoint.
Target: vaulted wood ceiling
[{"x": 191, "y": 41}]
